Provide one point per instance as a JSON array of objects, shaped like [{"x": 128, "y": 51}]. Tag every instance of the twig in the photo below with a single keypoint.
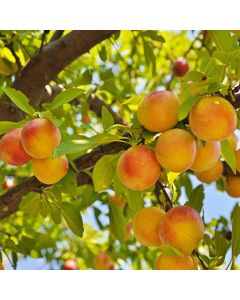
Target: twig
[{"x": 169, "y": 204}]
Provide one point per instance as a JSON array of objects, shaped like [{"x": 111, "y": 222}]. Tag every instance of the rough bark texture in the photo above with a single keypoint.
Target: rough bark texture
[{"x": 45, "y": 66}]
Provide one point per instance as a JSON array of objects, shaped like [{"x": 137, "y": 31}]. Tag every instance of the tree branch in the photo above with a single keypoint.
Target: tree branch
[
  {"x": 45, "y": 66},
  {"x": 9, "y": 202}
]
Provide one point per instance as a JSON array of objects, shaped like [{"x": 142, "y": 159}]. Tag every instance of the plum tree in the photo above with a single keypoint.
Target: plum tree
[
  {"x": 146, "y": 226},
  {"x": 158, "y": 111},
  {"x": 39, "y": 138},
  {"x": 182, "y": 228},
  {"x": 138, "y": 168},
  {"x": 206, "y": 156},
  {"x": 174, "y": 262},
  {"x": 11, "y": 149},
  {"x": 233, "y": 186},
  {"x": 209, "y": 111},
  {"x": 50, "y": 170},
  {"x": 180, "y": 67},
  {"x": 167, "y": 156}
]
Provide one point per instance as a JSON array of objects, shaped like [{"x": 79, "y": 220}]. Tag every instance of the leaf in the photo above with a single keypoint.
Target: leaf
[
  {"x": 107, "y": 118},
  {"x": 31, "y": 203},
  {"x": 103, "y": 172},
  {"x": 73, "y": 218},
  {"x": 6, "y": 126},
  {"x": 65, "y": 97},
  {"x": 117, "y": 222},
  {"x": 236, "y": 231},
  {"x": 186, "y": 107},
  {"x": 134, "y": 199},
  {"x": 229, "y": 155},
  {"x": 69, "y": 182},
  {"x": 103, "y": 53},
  {"x": 193, "y": 76},
  {"x": 134, "y": 100},
  {"x": 20, "y": 100},
  {"x": 222, "y": 39},
  {"x": 196, "y": 198},
  {"x": 171, "y": 176}
]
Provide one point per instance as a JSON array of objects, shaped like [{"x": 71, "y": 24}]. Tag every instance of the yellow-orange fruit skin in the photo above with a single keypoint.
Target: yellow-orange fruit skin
[
  {"x": 206, "y": 156},
  {"x": 176, "y": 150},
  {"x": 212, "y": 118},
  {"x": 1, "y": 267},
  {"x": 182, "y": 228},
  {"x": 11, "y": 149},
  {"x": 237, "y": 153},
  {"x": 40, "y": 137},
  {"x": 233, "y": 186},
  {"x": 146, "y": 224},
  {"x": 102, "y": 261},
  {"x": 118, "y": 200},
  {"x": 158, "y": 111},
  {"x": 138, "y": 168},
  {"x": 165, "y": 262},
  {"x": 233, "y": 140},
  {"x": 212, "y": 174},
  {"x": 48, "y": 170}
]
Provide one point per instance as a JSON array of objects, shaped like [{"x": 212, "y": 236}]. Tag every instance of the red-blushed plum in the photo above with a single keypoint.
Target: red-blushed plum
[
  {"x": 175, "y": 262},
  {"x": 212, "y": 118},
  {"x": 102, "y": 261},
  {"x": 206, "y": 156},
  {"x": 212, "y": 174},
  {"x": 180, "y": 67},
  {"x": 176, "y": 150},
  {"x": 50, "y": 171},
  {"x": 182, "y": 228},
  {"x": 70, "y": 264},
  {"x": 138, "y": 168},
  {"x": 146, "y": 225},
  {"x": 40, "y": 137},
  {"x": 158, "y": 111},
  {"x": 11, "y": 149}
]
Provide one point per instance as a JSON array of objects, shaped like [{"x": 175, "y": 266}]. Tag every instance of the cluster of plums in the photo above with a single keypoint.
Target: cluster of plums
[
  {"x": 211, "y": 120},
  {"x": 35, "y": 142}
]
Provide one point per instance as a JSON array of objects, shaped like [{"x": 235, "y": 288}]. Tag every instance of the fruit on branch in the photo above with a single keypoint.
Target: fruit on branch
[
  {"x": 11, "y": 149},
  {"x": 146, "y": 224},
  {"x": 50, "y": 171},
  {"x": 212, "y": 118},
  {"x": 237, "y": 153},
  {"x": 111, "y": 267},
  {"x": 212, "y": 174},
  {"x": 233, "y": 186},
  {"x": 138, "y": 168},
  {"x": 175, "y": 262},
  {"x": 8, "y": 183},
  {"x": 102, "y": 261},
  {"x": 182, "y": 228},
  {"x": 180, "y": 67},
  {"x": 206, "y": 156},
  {"x": 176, "y": 150},
  {"x": 158, "y": 111},
  {"x": 1, "y": 267},
  {"x": 40, "y": 137},
  {"x": 233, "y": 140},
  {"x": 70, "y": 264},
  {"x": 117, "y": 200}
]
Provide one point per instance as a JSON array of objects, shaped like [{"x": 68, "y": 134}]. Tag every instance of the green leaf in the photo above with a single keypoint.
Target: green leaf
[
  {"x": 20, "y": 100},
  {"x": 103, "y": 53},
  {"x": 196, "y": 198},
  {"x": 134, "y": 100},
  {"x": 65, "y": 97},
  {"x": 6, "y": 126},
  {"x": 193, "y": 76},
  {"x": 107, "y": 118},
  {"x": 69, "y": 182},
  {"x": 222, "y": 39},
  {"x": 55, "y": 212},
  {"x": 134, "y": 199},
  {"x": 31, "y": 203},
  {"x": 103, "y": 172},
  {"x": 229, "y": 155},
  {"x": 236, "y": 231},
  {"x": 73, "y": 218},
  {"x": 186, "y": 107},
  {"x": 117, "y": 222}
]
